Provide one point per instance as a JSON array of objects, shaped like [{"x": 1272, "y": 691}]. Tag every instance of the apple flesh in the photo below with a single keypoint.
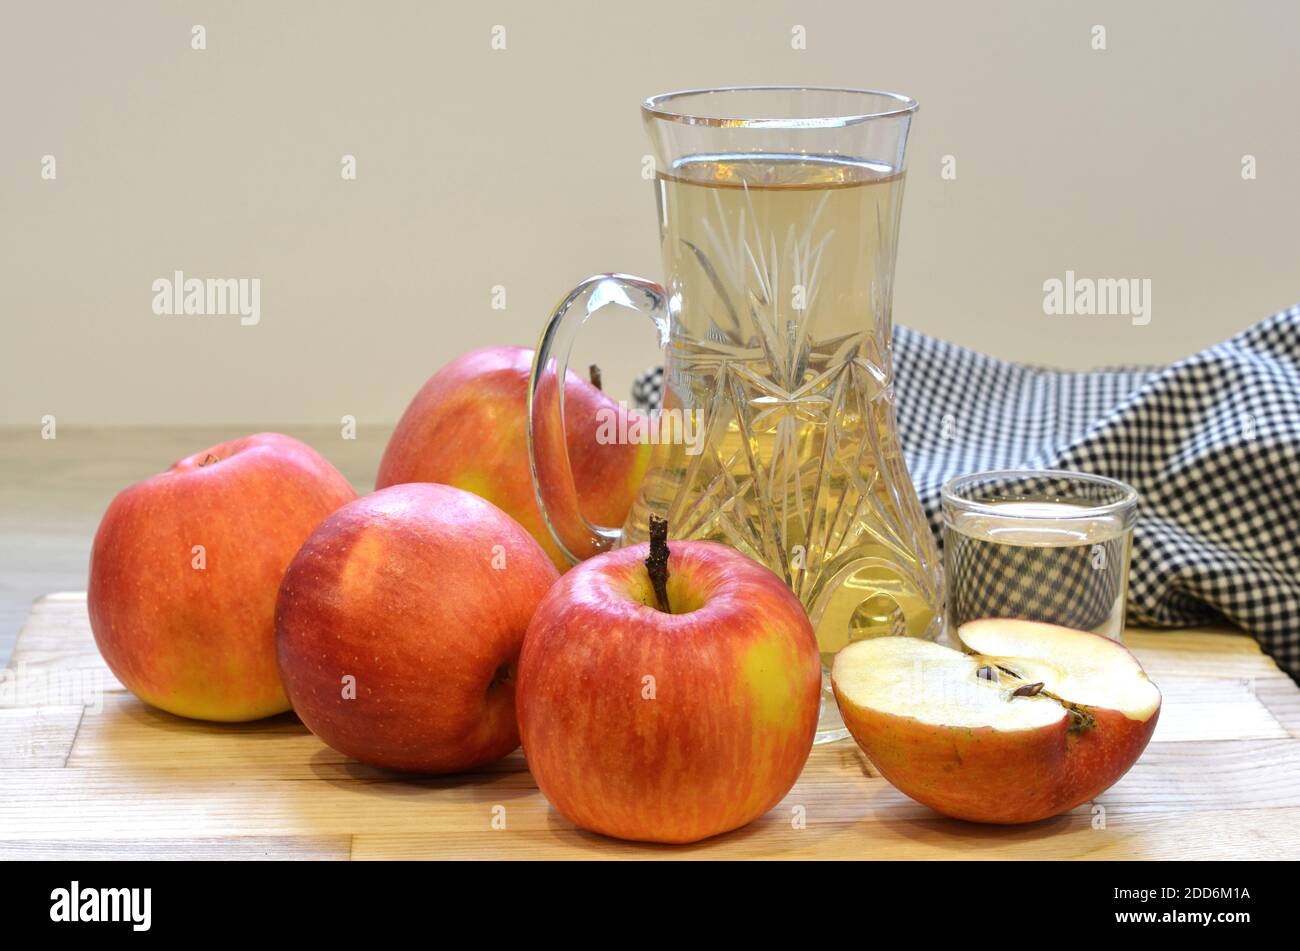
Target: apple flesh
[
  {"x": 1036, "y": 720},
  {"x": 468, "y": 427},
  {"x": 185, "y": 568},
  {"x": 668, "y": 726},
  {"x": 399, "y": 624}
]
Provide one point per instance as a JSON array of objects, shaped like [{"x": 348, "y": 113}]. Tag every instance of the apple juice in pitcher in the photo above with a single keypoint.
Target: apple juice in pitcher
[
  {"x": 775, "y": 318},
  {"x": 780, "y": 354}
]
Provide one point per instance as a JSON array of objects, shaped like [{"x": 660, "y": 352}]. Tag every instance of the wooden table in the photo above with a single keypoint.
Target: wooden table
[{"x": 87, "y": 771}]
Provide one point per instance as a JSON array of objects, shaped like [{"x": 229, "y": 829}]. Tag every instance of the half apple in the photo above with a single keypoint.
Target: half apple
[{"x": 1035, "y": 720}]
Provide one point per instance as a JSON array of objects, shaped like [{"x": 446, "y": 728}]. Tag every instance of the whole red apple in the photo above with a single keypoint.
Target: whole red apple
[
  {"x": 1036, "y": 720},
  {"x": 668, "y": 722},
  {"x": 468, "y": 427},
  {"x": 399, "y": 624},
  {"x": 185, "y": 567}
]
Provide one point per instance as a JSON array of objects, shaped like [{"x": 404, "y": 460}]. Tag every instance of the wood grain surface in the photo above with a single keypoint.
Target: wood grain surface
[{"x": 88, "y": 771}]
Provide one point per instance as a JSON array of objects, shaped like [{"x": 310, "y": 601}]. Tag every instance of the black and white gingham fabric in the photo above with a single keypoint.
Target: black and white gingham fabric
[{"x": 1211, "y": 442}]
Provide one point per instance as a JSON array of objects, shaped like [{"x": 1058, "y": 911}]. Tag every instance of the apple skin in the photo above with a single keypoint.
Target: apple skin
[
  {"x": 468, "y": 427},
  {"x": 399, "y": 590},
  {"x": 200, "y": 642},
  {"x": 737, "y": 685}
]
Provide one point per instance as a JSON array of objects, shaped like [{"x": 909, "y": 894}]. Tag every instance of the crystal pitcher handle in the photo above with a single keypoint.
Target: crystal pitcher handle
[{"x": 548, "y": 452}]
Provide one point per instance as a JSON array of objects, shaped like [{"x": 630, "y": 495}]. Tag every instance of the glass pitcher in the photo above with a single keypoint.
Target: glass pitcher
[{"x": 778, "y": 212}]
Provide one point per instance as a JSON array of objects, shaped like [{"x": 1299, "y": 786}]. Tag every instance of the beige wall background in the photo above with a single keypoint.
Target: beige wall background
[{"x": 522, "y": 167}]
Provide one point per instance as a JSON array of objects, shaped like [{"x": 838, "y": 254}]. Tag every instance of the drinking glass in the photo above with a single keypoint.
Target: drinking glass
[{"x": 1038, "y": 544}]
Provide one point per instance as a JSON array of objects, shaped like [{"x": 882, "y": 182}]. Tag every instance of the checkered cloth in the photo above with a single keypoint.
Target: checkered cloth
[{"x": 1211, "y": 442}]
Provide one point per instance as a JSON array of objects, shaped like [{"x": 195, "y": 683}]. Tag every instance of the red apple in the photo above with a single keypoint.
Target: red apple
[
  {"x": 468, "y": 427},
  {"x": 668, "y": 725},
  {"x": 185, "y": 567},
  {"x": 1039, "y": 719},
  {"x": 399, "y": 625}
]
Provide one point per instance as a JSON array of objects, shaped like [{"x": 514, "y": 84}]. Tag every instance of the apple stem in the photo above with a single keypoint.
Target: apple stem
[
  {"x": 657, "y": 562},
  {"x": 208, "y": 460},
  {"x": 1081, "y": 717},
  {"x": 593, "y": 372}
]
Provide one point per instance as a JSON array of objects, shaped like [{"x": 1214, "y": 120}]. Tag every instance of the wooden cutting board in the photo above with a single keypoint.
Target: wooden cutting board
[{"x": 87, "y": 771}]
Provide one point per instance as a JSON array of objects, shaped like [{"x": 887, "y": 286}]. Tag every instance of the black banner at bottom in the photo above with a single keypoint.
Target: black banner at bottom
[{"x": 1031, "y": 900}]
